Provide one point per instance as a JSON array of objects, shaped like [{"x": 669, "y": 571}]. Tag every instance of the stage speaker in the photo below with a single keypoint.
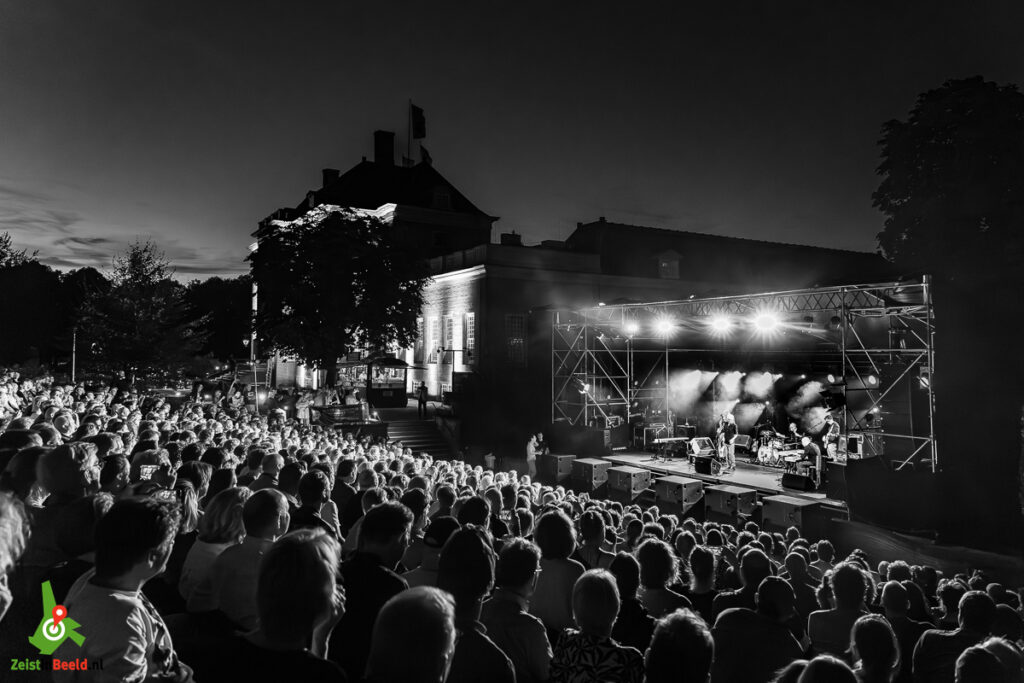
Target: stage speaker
[
  {"x": 800, "y": 482},
  {"x": 556, "y": 468},
  {"x": 742, "y": 442},
  {"x": 702, "y": 464},
  {"x": 865, "y": 444},
  {"x": 781, "y": 512},
  {"x": 835, "y": 482},
  {"x": 632, "y": 480},
  {"x": 590, "y": 475},
  {"x": 725, "y": 502},
  {"x": 701, "y": 446},
  {"x": 689, "y": 431},
  {"x": 678, "y": 493}
]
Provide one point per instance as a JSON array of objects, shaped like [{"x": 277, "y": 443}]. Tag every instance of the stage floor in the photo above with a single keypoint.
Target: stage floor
[{"x": 765, "y": 480}]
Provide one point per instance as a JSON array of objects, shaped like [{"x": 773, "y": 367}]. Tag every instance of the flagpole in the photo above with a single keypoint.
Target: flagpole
[{"x": 408, "y": 133}]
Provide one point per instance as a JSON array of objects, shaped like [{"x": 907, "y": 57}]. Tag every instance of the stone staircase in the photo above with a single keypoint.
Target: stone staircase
[{"x": 420, "y": 435}]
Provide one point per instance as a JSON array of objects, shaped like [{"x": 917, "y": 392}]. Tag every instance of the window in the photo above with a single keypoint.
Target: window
[
  {"x": 515, "y": 339},
  {"x": 446, "y": 339},
  {"x": 469, "y": 339},
  {"x": 417, "y": 349},
  {"x": 433, "y": 338}
]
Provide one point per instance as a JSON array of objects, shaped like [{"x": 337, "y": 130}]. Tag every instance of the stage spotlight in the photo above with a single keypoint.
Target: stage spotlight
[
  {"x": 721, "y": 324},
  {"x": 766, "y": 322},
  {"x": 600, "y": 303},
  {"x": 631, "y": 328},
  {"x": 872, "y": 380},
  {"x": 803, "y": 376},
  {"x": 831, "y": 378},
  {"x": 664, "y": 326}
]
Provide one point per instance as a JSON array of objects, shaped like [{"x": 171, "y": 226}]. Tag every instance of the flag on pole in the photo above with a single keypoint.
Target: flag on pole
[{"x": 419, "y": 122}]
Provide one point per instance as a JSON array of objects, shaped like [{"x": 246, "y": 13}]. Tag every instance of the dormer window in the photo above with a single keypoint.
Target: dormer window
[{"x": 668, "y": 265}]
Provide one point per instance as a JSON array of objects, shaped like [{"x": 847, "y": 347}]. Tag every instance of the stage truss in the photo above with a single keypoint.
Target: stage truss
[{"x": 608, "y": 360}]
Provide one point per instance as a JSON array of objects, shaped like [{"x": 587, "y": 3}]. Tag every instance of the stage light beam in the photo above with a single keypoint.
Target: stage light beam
[
  {"x": 721, "y": 324},
  {"x": 631, "y": 328},
  {"x": 766, "y": 322},
  {"x": 664, "y": 326}
]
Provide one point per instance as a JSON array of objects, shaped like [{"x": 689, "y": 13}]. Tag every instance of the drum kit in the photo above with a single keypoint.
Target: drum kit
[{"x": 773, "y": 450}]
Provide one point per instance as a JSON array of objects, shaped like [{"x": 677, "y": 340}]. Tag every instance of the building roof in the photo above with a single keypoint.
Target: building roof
[
  {"x": 636, "y": 250},
  {"x": 369, "y": 184}
]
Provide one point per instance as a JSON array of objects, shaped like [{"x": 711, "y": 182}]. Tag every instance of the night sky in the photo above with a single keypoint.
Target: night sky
[{"x": 188, "y": 122}]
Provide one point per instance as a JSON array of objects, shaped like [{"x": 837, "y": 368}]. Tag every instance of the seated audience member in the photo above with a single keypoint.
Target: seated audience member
[
  {"x": 1009, "y": 655},
  {"x": 219, "y": 528},
  {"x": 751, "y": 645},
  {"x": 66, "y": 473},
  {"x": 935, "y": 657},
  {"x": 466, "y": 570},
  {"x": 552, "y": 598},
  {"x": 220, "y": 480},
  {"x": 827, "y": 669},
  {"x": 344, "y": 477},
  {"x": 76, "y": 531},
  {"x": 366, "y": 499},
  {"x": 755, "y": 567},
  {"x": 803, "y": 585},
  {"x": 950, "y": 592},
  {"x": 413, "y": 638},
  {"x": 437, "y": 533},
  {"x": 826, "y": 555},
  {"x": 14, "y": 531},
  {"x": 895, "y": 605},
  {"x": 978, "y": 665},
  {"x": 298, "y": 602},
  {"x": 445, "y": 500},
  {"x": 681, "y": 650},
  {"x": 659, "y": 567},
  {"x": 416, "y": 501},
  {"x": 519, "y": 634},
  {"x": 590, "y": 554},
  {"x": 270, "y": 468},
  {"x": 829, "y": 630},
  {"x": 875, "y": 650},
  {"x": 370, "y": 581},
  {"x": 1008, "y": 624},
  {"x": 702, "y": 582},
  {"x": 588, "y": 653},
  {"x": 314, "y": 491},
  {"x": 235, "y": 573},
  {"x": 120, "y": 626},
  {"x": 633, "y": 626},
  {"x": 791, "y": 672}
]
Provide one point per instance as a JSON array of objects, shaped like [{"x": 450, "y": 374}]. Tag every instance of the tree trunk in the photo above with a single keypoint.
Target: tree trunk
[{"x": 332, "y": 374}]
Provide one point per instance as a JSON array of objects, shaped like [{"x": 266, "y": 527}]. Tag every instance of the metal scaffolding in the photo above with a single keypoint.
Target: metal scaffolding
[{"x": 875, "y": 343}]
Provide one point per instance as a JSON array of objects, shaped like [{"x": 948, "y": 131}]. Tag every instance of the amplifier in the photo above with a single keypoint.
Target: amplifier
[
  {"x": 724, "y": 501},
  {"x": 800, "y": 482},
  {"x": 865, "y": 444},
  {"x": 702, "y": 445},
  {"x": 689, "y": 431},
  {"x": 556, "y": 468},
  {"x": 742, "y": 442},
  {"x": 629, "y": 479},
  {"x": 781, "y": 512},
  {"x": 702, "y": 464},
  {"x": 678, "y": 491}
]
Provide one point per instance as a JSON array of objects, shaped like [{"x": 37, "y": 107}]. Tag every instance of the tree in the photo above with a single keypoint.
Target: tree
[
  {"x": 139, "y": 325},
  {"x": 9, "y": 256},
  {"x": 953, "y": 181},
  {"x": 226, "y": 306},
  {"x": 953, "y": 196},
  {"x": 333, "y": 282}
]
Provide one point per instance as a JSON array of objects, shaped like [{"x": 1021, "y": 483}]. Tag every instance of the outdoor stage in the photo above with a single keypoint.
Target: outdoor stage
[{"x": 765, "y": 480}]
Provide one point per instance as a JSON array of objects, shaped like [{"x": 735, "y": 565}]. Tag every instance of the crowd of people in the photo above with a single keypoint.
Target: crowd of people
[{"x": 202, "y": 542}]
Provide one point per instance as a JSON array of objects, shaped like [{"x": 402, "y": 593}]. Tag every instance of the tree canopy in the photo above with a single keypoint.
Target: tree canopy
[
  {"x": 952, "y": 185},
  {"x": 140, "y": 325},
  {"x": 333, "y": 282}
]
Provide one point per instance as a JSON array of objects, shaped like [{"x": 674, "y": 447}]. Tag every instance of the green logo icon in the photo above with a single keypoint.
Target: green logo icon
[{"x": 55, "y": 626}]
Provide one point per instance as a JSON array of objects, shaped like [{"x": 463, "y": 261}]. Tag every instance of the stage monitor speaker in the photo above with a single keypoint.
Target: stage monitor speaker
[
  {"x": 742, "y": 442},
  {"x": 800, "y": 482},
  {"x": 689, "y": 431},
  {"x": 702, "y": 464},
  {"x": 702, "y": 445}
]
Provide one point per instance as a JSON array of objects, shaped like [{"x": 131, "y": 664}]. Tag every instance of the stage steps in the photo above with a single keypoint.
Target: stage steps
[{"x": 420, "y": 435}]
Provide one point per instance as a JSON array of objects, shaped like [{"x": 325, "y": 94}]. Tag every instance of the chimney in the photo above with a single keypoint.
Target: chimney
[
  {"x": 384, "y": 147},
  {"x": 330, "y": 175},
  {"x": 511, "y": 239}
]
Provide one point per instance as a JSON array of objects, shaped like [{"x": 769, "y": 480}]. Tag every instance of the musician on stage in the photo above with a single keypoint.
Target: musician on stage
[
  {"x": 811, "y": 458},
  {"x": 830, "y": 437},
  {"x": 795, "y": 436},
  {"x": 727, "y": 442}
]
